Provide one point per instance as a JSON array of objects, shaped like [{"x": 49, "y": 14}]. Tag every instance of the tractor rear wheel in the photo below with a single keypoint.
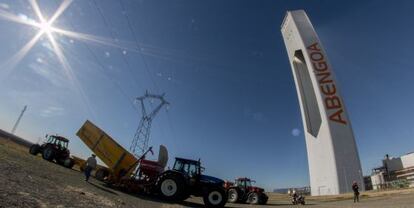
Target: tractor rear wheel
[
  {"x": 34, "y": 149},
  {"x": 215, "y": 197},
  {"x": 253, "y": 198},
  {"x": 233, "y": 195},
  {"x": 48, "y": 154},
  {"x": 172, "y": 187}
]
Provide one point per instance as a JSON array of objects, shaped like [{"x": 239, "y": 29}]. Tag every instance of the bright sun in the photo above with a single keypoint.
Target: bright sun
[{"x": 46, "y": 27}]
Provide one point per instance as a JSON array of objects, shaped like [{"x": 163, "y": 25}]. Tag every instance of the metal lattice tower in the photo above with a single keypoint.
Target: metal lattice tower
[
  {"x": 140, "y": 141},
  {"x": 18, "y": 120}
]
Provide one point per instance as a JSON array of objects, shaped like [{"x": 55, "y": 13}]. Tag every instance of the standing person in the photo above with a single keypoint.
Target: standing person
[
  {"x": 355, "y": 188},
  {"x": 90, "y": 166}
]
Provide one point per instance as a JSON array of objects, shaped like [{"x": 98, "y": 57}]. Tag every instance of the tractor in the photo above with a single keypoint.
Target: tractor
[
  {"x": 54, "y": 149},
  {"x": 186, "y": 179},
  {"x": 140, "y": 175},
  {"x": 242, "y": 191}
]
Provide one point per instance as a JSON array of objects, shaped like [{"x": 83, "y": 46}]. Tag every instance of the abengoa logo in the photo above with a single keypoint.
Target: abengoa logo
[{"x": 327, "y": 85}]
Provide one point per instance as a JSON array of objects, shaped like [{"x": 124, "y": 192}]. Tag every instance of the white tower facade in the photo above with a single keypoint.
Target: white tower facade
[{"x": 332, "y": 153}]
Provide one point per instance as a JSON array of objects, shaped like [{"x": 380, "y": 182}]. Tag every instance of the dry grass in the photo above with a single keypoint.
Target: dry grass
[{"x": 10, "y": 144}]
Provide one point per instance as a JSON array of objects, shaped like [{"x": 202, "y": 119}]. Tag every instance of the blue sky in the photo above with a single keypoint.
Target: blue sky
[{"x": 224, "y": 69}]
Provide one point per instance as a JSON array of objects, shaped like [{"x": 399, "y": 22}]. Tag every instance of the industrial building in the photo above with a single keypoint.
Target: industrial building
[{"x": 395, "y": 172}]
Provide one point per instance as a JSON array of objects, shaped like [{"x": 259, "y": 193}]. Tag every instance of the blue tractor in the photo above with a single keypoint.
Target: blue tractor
[{"x": 186, "y": 179}]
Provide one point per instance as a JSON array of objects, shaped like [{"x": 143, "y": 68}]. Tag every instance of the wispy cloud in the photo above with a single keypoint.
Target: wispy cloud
[
  {"x": 256, "y": 116},
  {"x": 4, "y": 6},
  {"x": 43, "y": 68},
  {"x": 52, "y": 111}
]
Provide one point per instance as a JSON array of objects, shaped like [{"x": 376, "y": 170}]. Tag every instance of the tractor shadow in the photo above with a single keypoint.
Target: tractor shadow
[
  {"x": 154, "y": 198},
  {"x": 148, "y": 197},
  {"x": 102, "y": 188}
]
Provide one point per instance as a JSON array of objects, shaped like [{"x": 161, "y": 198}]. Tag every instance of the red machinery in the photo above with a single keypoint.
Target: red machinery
[{"x": 243, "y": 191}]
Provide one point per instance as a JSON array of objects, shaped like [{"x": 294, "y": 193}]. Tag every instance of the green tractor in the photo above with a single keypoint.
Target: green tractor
[
  {"x": 54, "y": 149},
  {"x": 186, "y": 179}
]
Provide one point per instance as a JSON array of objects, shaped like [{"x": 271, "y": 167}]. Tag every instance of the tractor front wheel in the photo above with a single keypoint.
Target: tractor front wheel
[
  {"x": 48, "y": 154},
  {"x": 215, "y": 197},
  {"x": 263, "y": 199},
  {"x": 34, "y": 149},
  {"x": 233, "y": 195},
  {"x": 253, "y": 198},
  {"x": 172, "y": 188},
  {"x": 68, "y": 163}
]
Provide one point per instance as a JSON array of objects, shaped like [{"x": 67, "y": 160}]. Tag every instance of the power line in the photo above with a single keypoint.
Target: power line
[
  {"x": 131, "y": 101},
  {"x": 107, "y": 25},
  {"x": 131, "y": 28}
]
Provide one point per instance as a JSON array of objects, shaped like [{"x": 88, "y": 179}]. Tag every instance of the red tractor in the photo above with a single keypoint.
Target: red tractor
[
  {"x": 54, "y": 149},
  {"x": 242, "y": 191}
]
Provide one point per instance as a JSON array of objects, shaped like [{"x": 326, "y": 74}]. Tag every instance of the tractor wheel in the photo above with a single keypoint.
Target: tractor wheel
[
  {"x": 68, "y": 163},
  {"x": 233, "y": 195},
  {"x": 215, "y": 197},
  {"x": 172, "y": 188},
  {"x": 101, "y": 174},
  {"x": 263, "y": 199},
  {"x": 34, "y": 149},
  {"x": 253, "y": 198},
  {"x": 48, "y": 154}
]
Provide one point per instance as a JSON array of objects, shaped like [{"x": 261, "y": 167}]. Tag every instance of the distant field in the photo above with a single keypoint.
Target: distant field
[{"x": 16, "y": 139}]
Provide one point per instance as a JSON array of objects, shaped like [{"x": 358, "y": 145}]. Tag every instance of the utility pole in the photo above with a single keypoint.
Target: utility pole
[
  {"x": 140, "y": 141},
  {"x": 18, "y": 120}
]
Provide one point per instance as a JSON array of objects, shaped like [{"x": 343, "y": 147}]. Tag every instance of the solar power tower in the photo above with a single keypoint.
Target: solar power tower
[
  {"x": 140, "y": 141},
  {"x": 332, "y": 152}
]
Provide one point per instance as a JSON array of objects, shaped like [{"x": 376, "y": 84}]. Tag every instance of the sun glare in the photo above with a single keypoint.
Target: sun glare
[{"x": 46, "y": 27}]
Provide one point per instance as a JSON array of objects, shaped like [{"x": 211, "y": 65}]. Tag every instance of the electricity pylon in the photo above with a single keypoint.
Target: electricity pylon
[{"x": 140, "y": 141}]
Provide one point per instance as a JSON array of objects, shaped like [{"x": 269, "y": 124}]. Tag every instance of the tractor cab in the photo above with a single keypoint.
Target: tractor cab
[
  {"x": 59, "y": 141},
  {"x": 244, "y": 182},
  {"x": 190, "y": 168}
]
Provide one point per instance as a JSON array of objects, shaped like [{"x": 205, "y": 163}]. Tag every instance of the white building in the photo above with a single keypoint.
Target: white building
[
  {"x": 393, "y": 169},
  {"x": 332, "y": 153}
]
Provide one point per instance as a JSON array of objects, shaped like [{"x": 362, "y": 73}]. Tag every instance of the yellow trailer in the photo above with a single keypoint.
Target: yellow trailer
[{"x": 119, "y": 161}]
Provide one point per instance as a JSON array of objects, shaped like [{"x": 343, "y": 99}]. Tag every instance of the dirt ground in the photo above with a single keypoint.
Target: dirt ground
[{"x": 29, "y": 181}]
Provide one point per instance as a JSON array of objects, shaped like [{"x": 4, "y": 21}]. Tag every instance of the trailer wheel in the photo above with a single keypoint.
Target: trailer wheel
[
  {"x": 215, "y": 197},
  {"x": 253, "y": 198},
  {"x": 233, "y": 195},
  {"x": 48, "y": 154},
  {"x": 172, "y": 187},
  {"x": 100, "y": 174},
  {"x": 34, "y": 149}
]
